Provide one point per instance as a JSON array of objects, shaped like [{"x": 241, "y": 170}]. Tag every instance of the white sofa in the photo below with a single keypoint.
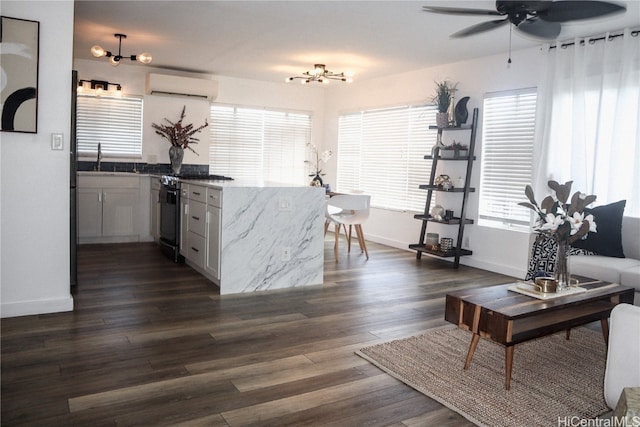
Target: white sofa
[
  {"x": 622, "y": 369},
  {"x": 625, "y": 271}
]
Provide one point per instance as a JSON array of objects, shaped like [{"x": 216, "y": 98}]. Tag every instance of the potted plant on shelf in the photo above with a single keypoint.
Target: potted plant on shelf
[
  {"x": 443, "y": 100},
  {"x": 456, "y": 150}
]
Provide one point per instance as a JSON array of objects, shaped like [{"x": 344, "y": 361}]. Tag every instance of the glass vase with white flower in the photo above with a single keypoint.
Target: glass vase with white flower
[
  {"x": 318, "y": 157},
  {"x": 563, "y": 221}
]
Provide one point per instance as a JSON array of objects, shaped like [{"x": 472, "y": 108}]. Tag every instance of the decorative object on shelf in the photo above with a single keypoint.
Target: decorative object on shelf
[
  {"x": 446, "y": 244},
  {"x": 444, "y": 182},
  {"x": 437, "y": 212},
  {"x": 454, "y": 151},
  {"x": 318, "y": 157},
  {"x": 443, "y": 100},
  {"x": 20, "y": 54},
  {"x": 562, "y": 221},
  {"x": 432, "y": 241},
  {"x": 461, "y": 112},
  {"x": 437, "y": 146},
  {"x": 180, "y": 138},
  {"x": 320, "y": 74},
  {"x": 98, "y": 52},
  {"x": 448, "y": 214}
]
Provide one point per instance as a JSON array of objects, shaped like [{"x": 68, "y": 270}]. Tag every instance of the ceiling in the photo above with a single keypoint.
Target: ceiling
[{"x": 272, "y": 40}]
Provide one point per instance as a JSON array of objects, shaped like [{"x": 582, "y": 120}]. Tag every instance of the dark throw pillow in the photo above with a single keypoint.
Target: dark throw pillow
[{"x": 607, "y": 240}]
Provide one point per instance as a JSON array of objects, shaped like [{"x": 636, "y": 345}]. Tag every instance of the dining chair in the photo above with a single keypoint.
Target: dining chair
[{"x": 351, "y": 210}]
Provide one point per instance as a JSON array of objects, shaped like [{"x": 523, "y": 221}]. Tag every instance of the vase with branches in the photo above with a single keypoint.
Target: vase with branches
[{"x": 180, "y": 137}]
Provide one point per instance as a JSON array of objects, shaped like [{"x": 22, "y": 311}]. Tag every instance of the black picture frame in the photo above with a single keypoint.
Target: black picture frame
[{"x": 20, "y": 40}]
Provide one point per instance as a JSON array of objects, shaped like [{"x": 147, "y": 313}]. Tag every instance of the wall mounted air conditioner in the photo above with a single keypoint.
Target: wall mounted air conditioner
[{"x": 164, "y": 84}]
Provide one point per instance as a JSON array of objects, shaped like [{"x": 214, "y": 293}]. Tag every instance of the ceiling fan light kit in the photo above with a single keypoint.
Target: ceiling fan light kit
[
  {"x": 540, "y": 19},
  {"x": 98, "y": 52},
  {"x": 320, "y": 74}
]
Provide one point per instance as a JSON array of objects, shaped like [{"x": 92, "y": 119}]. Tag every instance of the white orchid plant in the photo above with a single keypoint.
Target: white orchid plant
[
  {"x": 564, "y": 222},
  {"x": 319, "y": 157}
]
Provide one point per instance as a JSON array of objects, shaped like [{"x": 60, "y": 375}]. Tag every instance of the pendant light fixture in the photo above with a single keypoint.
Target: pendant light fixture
[
  {"x": 320, "y": 74},
  {"x": 98, "y": 52}
]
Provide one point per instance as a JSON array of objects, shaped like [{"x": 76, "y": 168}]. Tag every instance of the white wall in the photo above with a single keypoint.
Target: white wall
[
  {"x": 231, "y": 90},
  {"x": 34, "y": 198},
  {"x": 497, "y": 250}
]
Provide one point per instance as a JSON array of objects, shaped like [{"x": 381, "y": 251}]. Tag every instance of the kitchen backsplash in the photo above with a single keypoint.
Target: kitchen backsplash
[{"x": 157, "y": 169}]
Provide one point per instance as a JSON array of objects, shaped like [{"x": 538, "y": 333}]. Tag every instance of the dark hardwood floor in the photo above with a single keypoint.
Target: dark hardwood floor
[{"x": 152, "y": 343}]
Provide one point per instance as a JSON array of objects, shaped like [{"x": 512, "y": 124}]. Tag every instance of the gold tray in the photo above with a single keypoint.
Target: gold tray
[{"x": 527, "y": 288}]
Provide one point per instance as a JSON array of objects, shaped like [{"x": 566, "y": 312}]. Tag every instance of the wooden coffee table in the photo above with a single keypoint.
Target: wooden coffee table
[{"x": 510, "y": 318}]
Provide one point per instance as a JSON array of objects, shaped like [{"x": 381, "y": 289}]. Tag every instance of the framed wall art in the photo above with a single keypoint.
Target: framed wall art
[{"x": 19, "y": 42}]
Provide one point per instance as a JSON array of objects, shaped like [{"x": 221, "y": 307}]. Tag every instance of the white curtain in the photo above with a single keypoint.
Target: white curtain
[{"x": 589, "y": 117}]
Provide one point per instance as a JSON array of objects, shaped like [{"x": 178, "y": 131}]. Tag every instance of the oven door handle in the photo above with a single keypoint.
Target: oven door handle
[{"x": 168, "y": 195}]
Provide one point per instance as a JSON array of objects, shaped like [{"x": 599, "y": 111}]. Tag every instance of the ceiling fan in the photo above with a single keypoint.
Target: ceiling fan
[{"x": 541, "y": 19}]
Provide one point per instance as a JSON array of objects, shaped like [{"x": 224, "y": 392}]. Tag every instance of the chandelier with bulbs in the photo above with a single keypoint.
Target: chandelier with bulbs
[
  {"x": 99, "y": 52},
  {"x": 320, "y": 74}
]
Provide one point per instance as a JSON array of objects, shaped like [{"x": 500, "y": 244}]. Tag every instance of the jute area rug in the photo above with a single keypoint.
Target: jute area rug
[{"x": 553, "y": 380}]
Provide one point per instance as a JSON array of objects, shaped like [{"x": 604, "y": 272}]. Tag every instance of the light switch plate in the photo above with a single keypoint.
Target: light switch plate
[{"x": 57, "y": 141}]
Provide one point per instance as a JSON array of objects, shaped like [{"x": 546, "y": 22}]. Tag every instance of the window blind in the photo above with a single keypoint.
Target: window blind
[
  {"x": 114, "y": 122},
  {"x": 259, "y": 144},
  {"x": 381, "y": 152},
  {"x": 507, "y": 157}
]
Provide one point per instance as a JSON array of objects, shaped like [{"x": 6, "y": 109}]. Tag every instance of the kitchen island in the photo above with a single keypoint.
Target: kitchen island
[{"x": 255, "y": 236}]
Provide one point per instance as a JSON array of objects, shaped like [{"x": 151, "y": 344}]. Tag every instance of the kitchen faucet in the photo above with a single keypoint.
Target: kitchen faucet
[{"x": 99, "y": 157}]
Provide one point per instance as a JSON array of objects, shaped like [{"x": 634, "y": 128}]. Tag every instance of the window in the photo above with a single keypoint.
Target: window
[
  {"x": 381, "y": 152},
  {"x": 114, "y": 122},
  {"x": 259, "y": 143},
  {"x": 507, "y": 157}
]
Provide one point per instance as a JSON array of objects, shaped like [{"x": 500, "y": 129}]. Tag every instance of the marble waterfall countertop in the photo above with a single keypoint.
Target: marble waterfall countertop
[{"x": 259, "y": 225}]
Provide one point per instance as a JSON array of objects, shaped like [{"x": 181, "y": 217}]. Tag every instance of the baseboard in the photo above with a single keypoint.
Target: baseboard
[
  {"x": 28, "y": 308},
  {"x": 495, "y": 268},
  {"x": 468, "y": 260},
  {"x": 388, "y": 242}
]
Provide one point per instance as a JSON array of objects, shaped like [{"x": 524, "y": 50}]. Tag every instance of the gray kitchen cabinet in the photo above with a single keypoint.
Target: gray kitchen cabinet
[
  {"x": 89, "y": 215},
  {"x": 154, "y": 208},
  {"x": 108, "y": 209},
  {"x": 212, "y": 260},
  {"x": 119, "y": 212},
  {"x": 200, "y": 228},
  {"x": 196, "y": 247}
]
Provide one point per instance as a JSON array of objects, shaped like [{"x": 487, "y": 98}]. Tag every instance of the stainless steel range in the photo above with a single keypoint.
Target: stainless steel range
[{"x": 169, "y": 200}]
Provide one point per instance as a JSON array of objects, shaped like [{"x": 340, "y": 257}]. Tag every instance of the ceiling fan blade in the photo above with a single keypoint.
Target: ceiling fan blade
[
  {"x": 540, "y": 29},
  {"x": 572, "y": 10},
  {"x": 460, "y": 11},
  {"x": 479, "y": 28}
]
